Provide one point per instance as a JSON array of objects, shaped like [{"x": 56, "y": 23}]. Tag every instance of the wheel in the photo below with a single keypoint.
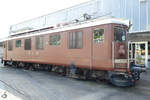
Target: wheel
[
  {"x": 5, "y": 63},
  {"x": 2, "y": 60},
  {"x": 49, "y": 68},
  {"x": 26, "y": 67},
  {"x": 87, "y": 74}
]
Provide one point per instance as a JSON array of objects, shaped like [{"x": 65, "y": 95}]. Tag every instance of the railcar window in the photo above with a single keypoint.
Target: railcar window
[
  {"x": 119, "y": 34},
  {"x": 75, "y": 40},
  {"x": 18, "y": 43},
  {"x": 39, "y": 43},
  {"x": 27, "y": 44},
  {"x": 10, "y": 45},
  {"x": 3, "y": 45},
  {"x": 98, "y": 36},
  {"x": 55, "y": 39}
]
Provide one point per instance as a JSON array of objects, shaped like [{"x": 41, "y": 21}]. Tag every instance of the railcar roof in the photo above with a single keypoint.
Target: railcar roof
[{"x": 78, "y": 25}]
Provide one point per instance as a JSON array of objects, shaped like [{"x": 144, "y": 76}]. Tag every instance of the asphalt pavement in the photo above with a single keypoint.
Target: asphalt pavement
[
  {"x": 20, "y": 84},
  {"x": 42, "y": 85}
]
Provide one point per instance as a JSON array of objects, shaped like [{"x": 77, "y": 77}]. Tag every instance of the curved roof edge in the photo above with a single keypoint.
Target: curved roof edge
[{"x": 78, "y": 25}]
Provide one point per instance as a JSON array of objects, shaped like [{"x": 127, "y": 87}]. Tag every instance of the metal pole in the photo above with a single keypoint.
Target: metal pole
[
  {"x": 113, "y": 54},
  {"x": 91, "y": 55},
  {"x": 129, "y": 54},
  {"x": 132, "y": 51},
  {"x": 147, "y": 15},
  {"x": 135, "y": 56},
  {"x": 139, "y": 15},
  {"x": 132, "y": 13},
  {"x": 120, "y": 9},
  {"x": 125, "y": 9},
  {"x": 146, "y": 54}
]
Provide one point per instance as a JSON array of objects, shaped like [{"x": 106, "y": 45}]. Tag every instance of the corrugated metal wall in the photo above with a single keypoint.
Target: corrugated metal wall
[
  {"x": 135, "y": 10},
  {"x": 138, "y": 11}
]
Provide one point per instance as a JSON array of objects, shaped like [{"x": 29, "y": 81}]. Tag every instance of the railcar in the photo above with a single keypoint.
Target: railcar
[{"x": 91, "y": 49}]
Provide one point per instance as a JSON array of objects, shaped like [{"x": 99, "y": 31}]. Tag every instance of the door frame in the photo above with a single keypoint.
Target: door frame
[{"x": 131, "y": 58}]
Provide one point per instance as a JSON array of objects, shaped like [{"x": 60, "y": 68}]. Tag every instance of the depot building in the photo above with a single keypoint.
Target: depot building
[{"x": 139, "y": 47}]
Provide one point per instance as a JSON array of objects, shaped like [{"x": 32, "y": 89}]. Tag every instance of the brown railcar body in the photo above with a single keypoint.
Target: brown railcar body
[
  {"x": 92, "y": 55},
  {"x": 102, "y": 51}
]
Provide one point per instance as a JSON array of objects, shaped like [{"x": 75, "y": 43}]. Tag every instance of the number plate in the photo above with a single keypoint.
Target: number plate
[{"x": 121, "y": 60}]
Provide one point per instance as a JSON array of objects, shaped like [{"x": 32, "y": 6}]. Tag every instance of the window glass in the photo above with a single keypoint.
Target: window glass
[
  {"x": 18, "y": 43},
  {"x": 70, "y": 45},
  {"x": 75, "y": 40},
  {"x": 119, "y": 34},
  {"x": 55, "y": 39},
  {"x": 27, "y": 44},
  {"x": 10, "y": 45},
  {"x": 98, "y": 36},
  {"x": 3, "y": 45},
  {"x": 39, "y": 43}
]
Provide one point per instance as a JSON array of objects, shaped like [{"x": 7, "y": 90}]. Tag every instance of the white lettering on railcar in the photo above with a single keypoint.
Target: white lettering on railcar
[{"x": 121, "y": 60}]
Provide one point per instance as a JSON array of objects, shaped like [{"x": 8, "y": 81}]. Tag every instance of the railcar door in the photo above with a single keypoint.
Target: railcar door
[
  {"x": 120, "y": 49},
  {"x": 5, "y": 50},
  {"x": 101, "y": 59}
]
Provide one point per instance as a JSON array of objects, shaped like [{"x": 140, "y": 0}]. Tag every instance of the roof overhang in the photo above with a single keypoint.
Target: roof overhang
[{"x": 139, "y": 36}]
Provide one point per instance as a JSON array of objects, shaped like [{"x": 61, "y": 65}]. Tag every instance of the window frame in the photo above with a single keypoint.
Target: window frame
[
  {"x": 4, "y": 45},
  {"x": 19, "y": 44},
  {"x": 10, "y": 45},
  {"x": 125, "y": 31},
  {"x": 37, "y": 46},
  {"x": 58, "y": 43},
  {"x": 25, "y": 48},
  {"x": 96, "y": 39},
  {"x": 75, "y": 40}
]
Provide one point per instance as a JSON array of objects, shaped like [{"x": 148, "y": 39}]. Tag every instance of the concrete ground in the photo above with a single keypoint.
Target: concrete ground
[{"x": 41, "y": 85}]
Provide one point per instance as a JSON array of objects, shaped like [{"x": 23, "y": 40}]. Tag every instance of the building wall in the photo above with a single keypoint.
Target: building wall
[
  {"x": 138, "y": 11},
  {"x": 139, "y": 36},
  {"x": 134, "y": 10}
]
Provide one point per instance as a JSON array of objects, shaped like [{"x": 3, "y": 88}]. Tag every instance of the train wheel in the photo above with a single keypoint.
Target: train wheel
[
  {"x": 87, "y": 74},
  {"x": 14, "y": 64},
  {"x": 26, "y": 67},
  {"x": 5, "y": 63},
  {"x": 68, "y": 72},
  {"x": 17, "y": 65},
  {"x": 31, "y": 67},
  {"x": 49, "y": 68},
  {"x": 2, "y": 60},
  {"x": 64, "y": 71}
]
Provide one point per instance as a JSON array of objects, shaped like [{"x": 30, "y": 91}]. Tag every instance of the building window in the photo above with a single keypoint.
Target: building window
[
  {"x": 10, "y": 45},
  {"x": 55, "y": 39},
  {"x": 75, "y": 40},
  {"x": 27, "y": 44},
  {"x": 39, "y": 43},
  {"x": 98, "y": 36},
  {"x": 18, "y": 43}
]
